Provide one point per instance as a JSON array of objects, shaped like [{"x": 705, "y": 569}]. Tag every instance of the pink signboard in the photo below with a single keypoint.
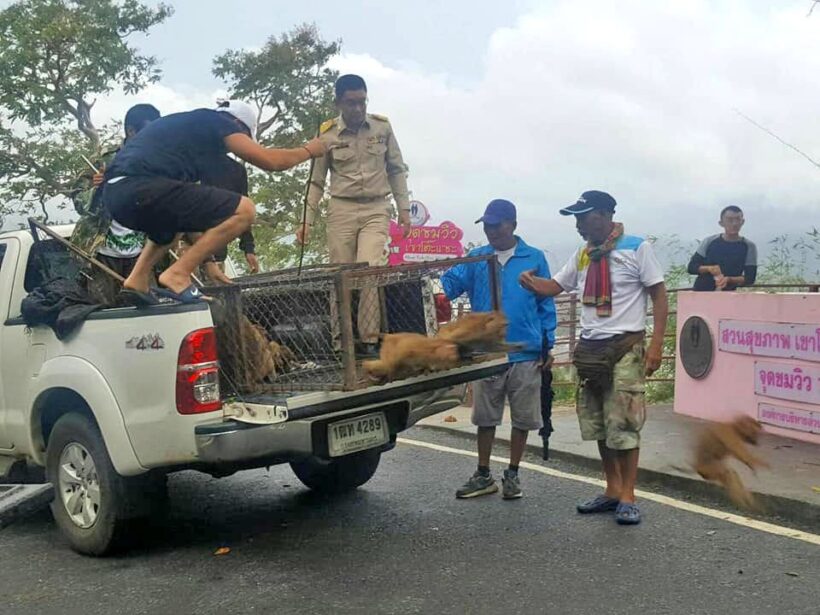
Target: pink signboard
[
  {"x": 788, "y": 381},
  {"x": 770, "y": 339},
  {"x": 789, "y": 418},
  {"x": 425, "y": 243}
]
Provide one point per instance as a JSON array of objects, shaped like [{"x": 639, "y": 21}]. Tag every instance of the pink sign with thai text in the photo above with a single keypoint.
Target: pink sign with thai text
[
  {"x": 789, "y": 418},
  {"x": 765, "y": 339},
  {"x": 424, "y": 243},
  {"x": 788, "y": 381}
]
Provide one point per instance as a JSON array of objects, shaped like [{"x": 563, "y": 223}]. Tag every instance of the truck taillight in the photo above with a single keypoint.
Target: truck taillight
[
  {"x": 198, "y": 373},
  {"x": 444, "y": 309}
]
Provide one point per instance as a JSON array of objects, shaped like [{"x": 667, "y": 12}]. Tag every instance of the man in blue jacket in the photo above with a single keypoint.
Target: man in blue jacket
[{"x": 532, "y": 323}]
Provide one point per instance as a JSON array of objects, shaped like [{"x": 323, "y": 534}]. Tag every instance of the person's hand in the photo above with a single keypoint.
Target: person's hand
[
  {"x": 253, "y": 262},
  {"x": 97, "y": 178},
  {"x": 303, "y": 234},
  {"x": 654, "y": 355},
  {"x": 404, "y": 222},
  {"x": 715, "y": 270},
  {"x": 317, "y": 147},
  {"x": 546, "y": 363},
  {"x": 530, "y": 281},
  {"x": 721, "y": 281}
]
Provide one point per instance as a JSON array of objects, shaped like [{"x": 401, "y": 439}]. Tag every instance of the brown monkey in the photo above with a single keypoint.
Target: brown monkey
[
  {"x": 716, "y": 443},
  {"x": 476, "y": 328},
  {"x": 408, "y": 354}
]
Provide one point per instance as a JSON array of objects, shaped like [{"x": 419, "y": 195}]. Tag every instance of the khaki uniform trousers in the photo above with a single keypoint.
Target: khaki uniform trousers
[{"x": 357, "y": 233}]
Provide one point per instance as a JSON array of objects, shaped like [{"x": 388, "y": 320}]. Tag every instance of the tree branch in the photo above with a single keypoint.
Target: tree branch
[{"x": 770, "y": 133}]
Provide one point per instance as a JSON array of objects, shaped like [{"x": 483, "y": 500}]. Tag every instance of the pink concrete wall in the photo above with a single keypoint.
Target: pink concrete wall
[{"x": 729, "y": 388}]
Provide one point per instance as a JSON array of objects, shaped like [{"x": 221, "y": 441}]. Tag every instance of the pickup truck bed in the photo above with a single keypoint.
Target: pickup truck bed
[{"x": 134, "y": 394}]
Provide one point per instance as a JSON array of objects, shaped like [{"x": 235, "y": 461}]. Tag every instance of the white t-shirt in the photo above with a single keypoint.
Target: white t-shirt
[
  {"x": 122, "y": 242},
  {"x": 505, "y": 255},
  {"x": 633, "y": 267}
]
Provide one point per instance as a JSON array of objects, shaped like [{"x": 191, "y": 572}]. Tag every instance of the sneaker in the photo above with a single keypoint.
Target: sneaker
[
  {"x": 598, "y": 504},
  {"x": 511, "y": 486},
  {"x": 476, "y": 486},
  {"x": 627, "y": 514}
]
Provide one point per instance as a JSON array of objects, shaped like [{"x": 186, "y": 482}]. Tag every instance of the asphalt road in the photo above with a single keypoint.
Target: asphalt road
[{"x": 404, "y": 544}]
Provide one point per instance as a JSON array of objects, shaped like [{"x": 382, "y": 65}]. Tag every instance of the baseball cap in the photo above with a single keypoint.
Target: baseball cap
[
  {"x": 241, "y": 111},
  {"x": 498, "y": 211},
  {"x": 590, "y": 201}
]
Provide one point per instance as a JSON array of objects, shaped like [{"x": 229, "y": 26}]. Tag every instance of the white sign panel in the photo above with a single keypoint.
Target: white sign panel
[
  {"x": 788, "y": 381},
  {"x": 789, "y": 418},
  {"x": 770, "y": 339}
]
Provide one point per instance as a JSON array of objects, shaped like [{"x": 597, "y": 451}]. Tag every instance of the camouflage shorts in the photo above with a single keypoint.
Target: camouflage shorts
[{"x": 618, "y": 414}]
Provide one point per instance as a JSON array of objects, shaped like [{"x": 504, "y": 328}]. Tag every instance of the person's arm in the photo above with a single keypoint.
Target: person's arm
[
  {"x": 697, "y": 264},
  {"x": 544, "y": 287},
  {"x": 750, "y": 267},
  {"x": 660, "y": 314},
  {"x": 546, "y": 308},
  {"x": 397, "y": 177},
  {"x": 455, "y": 281},
  {"x": 270, "y": 159}
]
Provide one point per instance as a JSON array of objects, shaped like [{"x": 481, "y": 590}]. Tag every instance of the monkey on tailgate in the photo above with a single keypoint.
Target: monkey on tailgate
[
  {"x": 484, "y": 329},
  {"x": 408, "y": 354},
  {"x": 719, "y": 442}
]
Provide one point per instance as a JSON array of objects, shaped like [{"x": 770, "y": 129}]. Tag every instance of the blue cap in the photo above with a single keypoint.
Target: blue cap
[{"x": 498, "y": 211}]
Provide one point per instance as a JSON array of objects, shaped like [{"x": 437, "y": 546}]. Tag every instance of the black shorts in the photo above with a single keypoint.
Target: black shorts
[{"x": 162, "y": 207}]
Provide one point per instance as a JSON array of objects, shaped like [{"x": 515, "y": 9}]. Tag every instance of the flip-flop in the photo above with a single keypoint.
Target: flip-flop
[
  {"x": 192, "y": 294},
  {"x": 139, "y": 298}
]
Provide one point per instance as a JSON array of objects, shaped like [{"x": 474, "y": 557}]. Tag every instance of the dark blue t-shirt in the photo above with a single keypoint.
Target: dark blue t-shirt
[{"x": 176, "y": 146}]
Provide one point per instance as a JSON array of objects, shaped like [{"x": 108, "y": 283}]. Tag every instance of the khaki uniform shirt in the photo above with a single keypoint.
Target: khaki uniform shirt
[{"x": 370, "y": 167}]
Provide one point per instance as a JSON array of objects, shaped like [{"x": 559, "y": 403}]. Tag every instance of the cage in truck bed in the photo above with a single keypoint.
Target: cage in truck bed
[{"x": 282, "y": 331}]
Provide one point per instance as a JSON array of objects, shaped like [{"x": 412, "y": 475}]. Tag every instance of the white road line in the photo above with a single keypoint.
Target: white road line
[{"x": 754, "y": 524}]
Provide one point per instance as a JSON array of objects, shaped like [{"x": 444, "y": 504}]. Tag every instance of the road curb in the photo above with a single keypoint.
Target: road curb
[
  {"x": 19, "y": 500},
  {"x": 803, "y": 513}
]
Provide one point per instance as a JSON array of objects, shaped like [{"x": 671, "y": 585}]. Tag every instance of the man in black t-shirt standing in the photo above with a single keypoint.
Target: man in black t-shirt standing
[
  {"x": 725, "y": 261},
  {"x": 152, "y": 186}
]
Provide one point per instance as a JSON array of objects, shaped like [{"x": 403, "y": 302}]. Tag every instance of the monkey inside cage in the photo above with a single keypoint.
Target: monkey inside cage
[{"x": 289, "y": 331}]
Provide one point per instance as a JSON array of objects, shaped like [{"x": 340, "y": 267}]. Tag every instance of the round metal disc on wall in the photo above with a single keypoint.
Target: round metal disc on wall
[{"x": 696, "y": 347}]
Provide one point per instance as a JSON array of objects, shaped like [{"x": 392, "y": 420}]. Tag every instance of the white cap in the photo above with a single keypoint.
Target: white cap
[{"x": 241, "y": 111}]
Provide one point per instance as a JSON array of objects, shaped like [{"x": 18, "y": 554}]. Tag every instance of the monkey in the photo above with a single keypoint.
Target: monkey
[
  {"x": 716, "y": 443},
  {"x": 408, "y": 354}
]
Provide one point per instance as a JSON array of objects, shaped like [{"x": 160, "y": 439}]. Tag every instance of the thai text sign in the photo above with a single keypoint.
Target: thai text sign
[
  {"x": 424, "y": 243},
  {"x": 765, "y": 339},
  {"x": 788, "y": 381},
  {"x": 789, "y": 418}
]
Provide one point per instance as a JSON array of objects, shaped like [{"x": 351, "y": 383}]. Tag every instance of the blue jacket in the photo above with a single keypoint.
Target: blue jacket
[{"x": 531, "y": 318}]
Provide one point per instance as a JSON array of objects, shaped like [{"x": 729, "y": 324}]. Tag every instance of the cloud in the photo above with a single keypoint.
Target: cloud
[{"x": 635, "y": 98}]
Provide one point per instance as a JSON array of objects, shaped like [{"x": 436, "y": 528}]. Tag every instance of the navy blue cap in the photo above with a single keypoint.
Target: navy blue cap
[
  {"x": 590, "y": 201},
  {"x": 498, "y": 211}
]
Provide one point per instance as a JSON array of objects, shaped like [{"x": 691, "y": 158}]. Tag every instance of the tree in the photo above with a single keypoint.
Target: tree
[
  {"x": 57, "y": 57},
  {"x": 290, "y": 84}
]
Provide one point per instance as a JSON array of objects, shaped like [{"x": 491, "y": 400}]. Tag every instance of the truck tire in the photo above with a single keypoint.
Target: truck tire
[
  {"x": 93, "y": 506},
  {"x": 339, "y": 475}
]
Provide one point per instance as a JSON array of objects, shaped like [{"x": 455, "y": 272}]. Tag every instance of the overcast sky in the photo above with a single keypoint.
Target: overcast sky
[{"x": 538, "y": 101}]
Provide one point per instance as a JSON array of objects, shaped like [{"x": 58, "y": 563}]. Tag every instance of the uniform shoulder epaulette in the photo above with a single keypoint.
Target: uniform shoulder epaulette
[
  {"x": 327, "y": 126},
  {"x": 383, "y": 118}
]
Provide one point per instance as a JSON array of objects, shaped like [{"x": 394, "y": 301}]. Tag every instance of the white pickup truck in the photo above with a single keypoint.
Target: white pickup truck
[{"x": 134, "y": 395}]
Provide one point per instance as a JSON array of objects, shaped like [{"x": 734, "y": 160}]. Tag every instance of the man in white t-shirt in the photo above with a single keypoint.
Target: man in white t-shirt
[{"x": 615, "y": 274}]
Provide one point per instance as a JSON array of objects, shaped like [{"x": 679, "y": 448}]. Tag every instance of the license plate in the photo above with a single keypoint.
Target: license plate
[{"x": 357, "y": 434}]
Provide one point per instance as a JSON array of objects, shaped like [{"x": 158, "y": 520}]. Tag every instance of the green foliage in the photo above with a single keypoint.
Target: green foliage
[
  {"x": 291, "y": 86},
  {"x": 57, "y": 56}
]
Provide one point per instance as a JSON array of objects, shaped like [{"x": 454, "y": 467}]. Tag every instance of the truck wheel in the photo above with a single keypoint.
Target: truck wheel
[
  {"x": 93, "y": 505},
  {"x": 339, "y": 475}
]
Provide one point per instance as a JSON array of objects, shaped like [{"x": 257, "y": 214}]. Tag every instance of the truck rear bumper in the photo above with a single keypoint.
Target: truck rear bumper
[{"x": 231, "y": 441}]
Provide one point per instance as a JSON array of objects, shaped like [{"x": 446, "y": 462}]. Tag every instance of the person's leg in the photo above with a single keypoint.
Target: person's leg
[
  {"x": 547, "y": 396},
  {"x": 140, "y": 277},
  {"x": 341, "y": 247},
  {"x": 589, "y": 406},
  {"x": 523, "y": 390},
  {"x": 488, "y": 408},
  {"x": 370, "y": 247},
  {"x": 177, "y": 277},
  {"x": 624, "y": 414}
]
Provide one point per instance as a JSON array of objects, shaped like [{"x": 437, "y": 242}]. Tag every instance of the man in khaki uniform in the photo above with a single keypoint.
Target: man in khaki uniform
[{"x": 362, "y": 177}]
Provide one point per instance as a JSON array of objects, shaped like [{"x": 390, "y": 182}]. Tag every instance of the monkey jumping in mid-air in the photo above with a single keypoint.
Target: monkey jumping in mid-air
[{"x": 721, "y": 441}]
